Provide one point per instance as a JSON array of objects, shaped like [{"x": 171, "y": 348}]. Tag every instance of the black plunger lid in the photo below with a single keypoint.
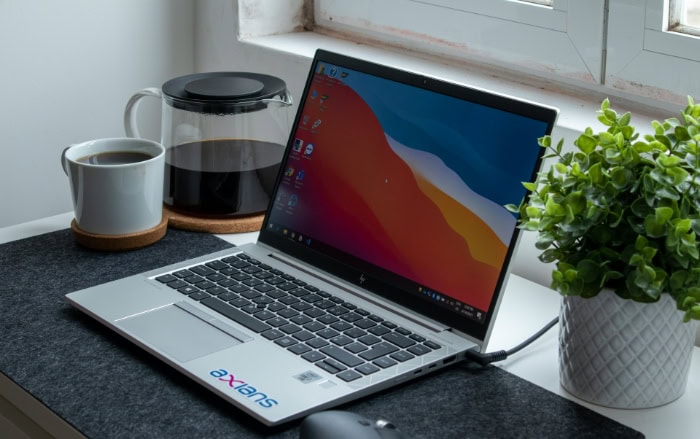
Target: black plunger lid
[{"x": 222, "y": 92}]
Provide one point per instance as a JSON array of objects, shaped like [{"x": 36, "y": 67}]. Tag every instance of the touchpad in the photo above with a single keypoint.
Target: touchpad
[{"x": 177, "y": 333}]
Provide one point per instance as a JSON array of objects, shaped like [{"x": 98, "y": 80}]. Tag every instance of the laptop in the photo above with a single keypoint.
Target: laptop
[{"x": 382, "y": 257}]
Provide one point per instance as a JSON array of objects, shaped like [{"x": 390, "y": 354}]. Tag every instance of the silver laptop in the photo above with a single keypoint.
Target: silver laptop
[{"x": 382, "y": 257}]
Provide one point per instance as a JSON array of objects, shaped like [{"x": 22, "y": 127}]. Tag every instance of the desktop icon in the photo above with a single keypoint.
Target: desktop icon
[
  {"x": 289, "y": 172},
  {"x": 298, "y": 144},
  {"x": 309, "y": 149}
]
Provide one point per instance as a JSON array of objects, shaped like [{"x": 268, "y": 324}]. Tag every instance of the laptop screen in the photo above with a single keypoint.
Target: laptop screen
[{"x": 397, "y": 182}]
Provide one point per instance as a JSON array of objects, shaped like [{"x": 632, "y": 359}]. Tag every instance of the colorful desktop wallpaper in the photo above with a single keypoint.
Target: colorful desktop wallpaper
[{"x": 413, "y": 182}]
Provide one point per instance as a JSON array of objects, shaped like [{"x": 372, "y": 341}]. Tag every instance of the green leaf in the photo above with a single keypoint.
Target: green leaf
[
  {"x": 682, "y": 133},
  {"x": 653, "y": 227},
  {"x": 586, "y": 143},
  {"x": 663, "y": 214},
  {"x": 625, "y": 119},
  {"x": 606, "y": 138}
]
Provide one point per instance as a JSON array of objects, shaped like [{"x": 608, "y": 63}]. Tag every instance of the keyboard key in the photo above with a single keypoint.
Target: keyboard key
[
  {"x": 331, "y": 365},
  {"x": 287, "y": 313},
  {"x": 365, "y": 323},
  {"x": 356, "y": 347},
  {"x": 351, "y": 317},
  {"x": 317, "y": 342},
  {"x": 177, "y": 283},
  {"x": 275, "y": 307},
  {"x": 202, "y": 270},
  {"x": 287, "y": 286},
  {"x": 286, "y": 341},
  {"x": 327, "y": 319},
  {"x": 199, "y": 295},
  {"x": 272, "y": 334},
  {"x": 341, "y": 326},
  {"x": 236, "y": 315},
  {"x": 277, "y": 322},
  {"x": 338, "y": 310},
  {"x": 384, "y": 362},
  {"x": 419, "y": 349},
  {"x": 216, "y": 265},
  {"x": 303, "y": 335},
  {"x": 379, "y": 330},
  {"x": 189, "y": 289},
  {"x": 349, "y": 375},
  {"x": 432, "y": 345},
  {"x": 378, "y": 350},
  {"x": 264, "y": 315},
  {"x": 327, "y": 333},
  {"x": 183, "y": 273},
  {"x": 166, "y": 278},
  {"x": 289, "y": 328},
  {"x": 314, "y": 312},
  {"x": 402, "y": 356},
  {"x": 300, "y": 319},
  {"x": 301, "y": 306},
  {"x": 367, "y": 369},
  {"x": 314, "y": 326},
  {"x": 354, "y": 332},
  {"x": 313, "y": 356},
  {"x": 398, "y": 340},
  {"x": 299, "y": 349},
  {"x": 341, "y": 340},
  {"x": 342, "y": 355},
  {"x": 402, "y": 331},
  {"x": 215, "y": 291},
  {"x": 369, "y": 339},
  {"x": 228, "y": 296},
  {"x": 288, "y": 300}
]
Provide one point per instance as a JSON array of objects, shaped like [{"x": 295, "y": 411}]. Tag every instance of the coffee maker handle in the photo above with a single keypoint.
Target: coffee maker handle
[{"x": 130, "y": 110}]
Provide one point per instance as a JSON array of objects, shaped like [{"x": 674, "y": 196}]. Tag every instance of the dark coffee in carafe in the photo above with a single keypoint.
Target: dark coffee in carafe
[{"x": 217, "y": 177}]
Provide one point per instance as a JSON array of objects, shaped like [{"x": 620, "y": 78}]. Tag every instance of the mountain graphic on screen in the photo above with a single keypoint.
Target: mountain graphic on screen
[{"x": 385, "y": 209}]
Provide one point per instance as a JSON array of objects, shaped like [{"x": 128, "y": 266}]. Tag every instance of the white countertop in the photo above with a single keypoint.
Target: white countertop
[{"x": 525, "y": 308}]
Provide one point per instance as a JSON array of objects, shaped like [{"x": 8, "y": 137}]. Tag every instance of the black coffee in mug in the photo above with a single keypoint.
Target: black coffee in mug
[
  {"x": 222, "y": 177},
  {"x": 115, "y": 158}
]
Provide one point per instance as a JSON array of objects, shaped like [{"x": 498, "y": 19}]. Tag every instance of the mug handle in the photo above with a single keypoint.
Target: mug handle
[
  {"x": 63, "y": 159},
  {"x": 130, "y": 110}
]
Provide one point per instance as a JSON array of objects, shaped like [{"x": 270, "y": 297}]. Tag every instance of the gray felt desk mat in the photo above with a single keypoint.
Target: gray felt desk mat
[{"x": 105, "y": 387}]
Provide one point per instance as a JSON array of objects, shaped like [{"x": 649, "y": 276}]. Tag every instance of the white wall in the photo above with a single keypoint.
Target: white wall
[{"x": 68, "y": 68}]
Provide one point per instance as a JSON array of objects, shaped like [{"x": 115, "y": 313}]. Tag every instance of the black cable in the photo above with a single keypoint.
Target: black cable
[{"x": 492, "y": 357}]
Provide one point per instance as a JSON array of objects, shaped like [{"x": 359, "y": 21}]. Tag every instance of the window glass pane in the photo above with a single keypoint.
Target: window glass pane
[
  {"x": 684, "y": 16},
  {"x": 692, "y": 13}
]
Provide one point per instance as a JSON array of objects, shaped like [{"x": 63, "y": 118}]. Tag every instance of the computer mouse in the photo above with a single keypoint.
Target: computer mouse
[{"x": 337, "y": 424}]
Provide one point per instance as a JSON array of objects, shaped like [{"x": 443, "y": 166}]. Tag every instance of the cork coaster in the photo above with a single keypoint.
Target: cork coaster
[
  {"x": 129, "y": 241},
  {"x": 178, "y": 220}
]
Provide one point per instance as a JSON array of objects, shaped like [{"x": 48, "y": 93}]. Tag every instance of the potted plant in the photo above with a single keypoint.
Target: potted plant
[{"x": 619, "y": 215}]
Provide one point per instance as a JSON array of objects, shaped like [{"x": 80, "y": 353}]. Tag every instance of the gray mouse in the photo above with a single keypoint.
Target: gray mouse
[{"x": 336, "y": 424}]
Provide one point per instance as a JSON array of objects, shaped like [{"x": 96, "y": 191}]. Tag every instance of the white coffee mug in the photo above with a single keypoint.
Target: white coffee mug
[{"x": 116, "y": 184}]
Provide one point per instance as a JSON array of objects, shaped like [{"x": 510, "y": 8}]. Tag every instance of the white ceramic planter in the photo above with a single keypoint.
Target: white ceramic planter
[{"x": 623, "y": 354}]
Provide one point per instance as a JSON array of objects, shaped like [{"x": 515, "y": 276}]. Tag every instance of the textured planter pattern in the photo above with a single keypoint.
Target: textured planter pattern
[{"x": 623, "y": 354}]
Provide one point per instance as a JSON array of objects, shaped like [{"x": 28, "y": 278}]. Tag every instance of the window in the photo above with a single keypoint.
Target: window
[
  {"x": 647, "y": 56},
  {"x": 645, "y": 50},
  {"x": 543, "y": 37}
]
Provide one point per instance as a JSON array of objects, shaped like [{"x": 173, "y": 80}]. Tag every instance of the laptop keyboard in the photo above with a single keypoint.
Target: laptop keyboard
[{"x": 323, "y": 329}]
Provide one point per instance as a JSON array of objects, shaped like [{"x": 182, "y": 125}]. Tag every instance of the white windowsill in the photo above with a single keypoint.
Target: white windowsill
[{"x": 577, "y": 107}]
